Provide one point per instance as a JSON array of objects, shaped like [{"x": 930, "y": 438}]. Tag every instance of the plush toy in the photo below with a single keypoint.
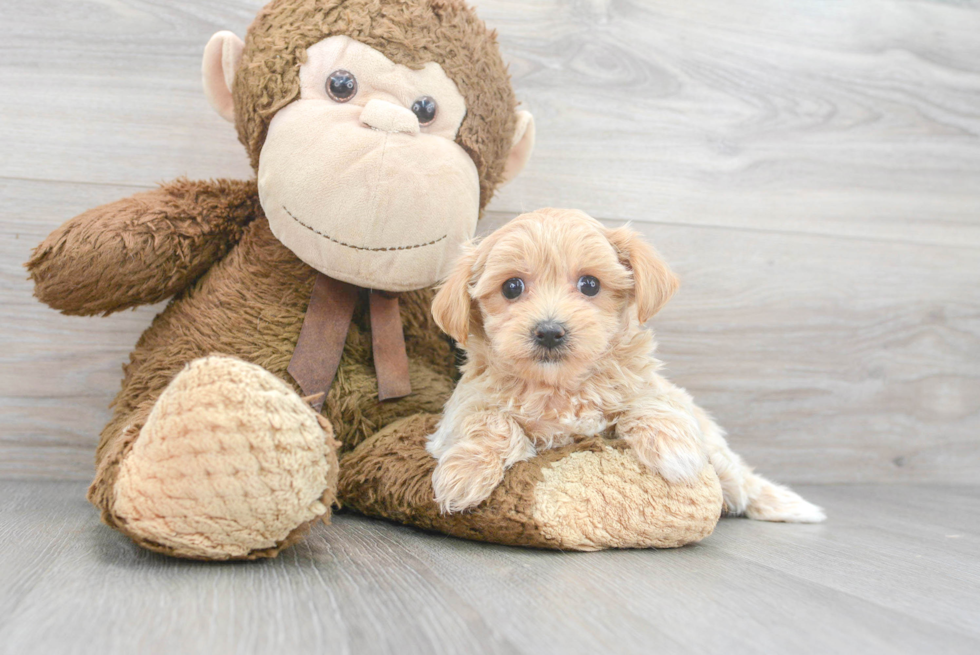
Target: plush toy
[{"x": 300, "y": 324}]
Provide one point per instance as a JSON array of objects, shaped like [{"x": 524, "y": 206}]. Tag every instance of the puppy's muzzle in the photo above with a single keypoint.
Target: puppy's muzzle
[{"x": 549, "y": 334}]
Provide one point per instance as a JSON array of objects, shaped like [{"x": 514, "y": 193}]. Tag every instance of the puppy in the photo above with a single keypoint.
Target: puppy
[{"x": 550, "y": 309}]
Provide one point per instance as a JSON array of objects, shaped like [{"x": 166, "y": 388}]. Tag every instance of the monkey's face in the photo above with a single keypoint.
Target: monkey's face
[
  {"x": 378, "y": 132},
  {"x": 361, "y": 176}
]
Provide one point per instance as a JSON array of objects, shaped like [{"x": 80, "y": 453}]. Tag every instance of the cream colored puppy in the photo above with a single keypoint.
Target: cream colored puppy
[{"x": 550, "y": 309}]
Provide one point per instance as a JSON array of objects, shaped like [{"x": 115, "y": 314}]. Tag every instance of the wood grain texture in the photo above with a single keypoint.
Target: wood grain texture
[
  {"x": 896, "y": 570},
  {"x": 859, "y": 118},
  {"x": 111, "y": 92},
  {"x": 856, "y": 118},
  {"x": 809, "y": 170}
]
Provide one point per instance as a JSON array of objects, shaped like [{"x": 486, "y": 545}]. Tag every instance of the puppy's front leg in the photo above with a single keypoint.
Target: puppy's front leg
[
  {"x": 664, "y": 434},
  {"x": 468, "y": 471}
]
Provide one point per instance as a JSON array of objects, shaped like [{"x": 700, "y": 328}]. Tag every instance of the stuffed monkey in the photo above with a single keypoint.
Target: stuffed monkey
[{"x": 299, "y": 326}]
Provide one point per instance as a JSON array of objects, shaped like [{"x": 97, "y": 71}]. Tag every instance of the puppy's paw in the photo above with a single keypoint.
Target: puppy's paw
[
  {"x": 670, "y": 447},
  {"x": 678, "y": 461},
  {"x": 773, "y": 502},
  {"x": 462, "y": 479}
]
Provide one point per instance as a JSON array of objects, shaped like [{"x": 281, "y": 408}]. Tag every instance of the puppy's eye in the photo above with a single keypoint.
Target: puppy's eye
[
  {"x": 588, "y": 285},
  {"x": 341, "y": 85},
  {"x": 424, "y": 109},
  {"x": 512, "y": 288}
]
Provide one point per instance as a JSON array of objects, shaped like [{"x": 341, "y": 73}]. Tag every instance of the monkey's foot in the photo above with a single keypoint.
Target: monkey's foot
[{"x": 230, "y": 464}]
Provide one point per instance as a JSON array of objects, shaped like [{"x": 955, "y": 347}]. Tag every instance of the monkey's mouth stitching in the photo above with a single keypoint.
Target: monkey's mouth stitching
[{"x": 353, "y": 247}]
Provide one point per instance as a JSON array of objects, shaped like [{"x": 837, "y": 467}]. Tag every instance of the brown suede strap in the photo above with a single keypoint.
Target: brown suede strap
[
  {"x": 388, "y": 343},
  {"x": 324, "y": 333},
  {"x": 321, "y": 340}
]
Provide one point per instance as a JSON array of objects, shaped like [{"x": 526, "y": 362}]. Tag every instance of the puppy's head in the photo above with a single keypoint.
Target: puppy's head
[{"x": 548, "y": 292}]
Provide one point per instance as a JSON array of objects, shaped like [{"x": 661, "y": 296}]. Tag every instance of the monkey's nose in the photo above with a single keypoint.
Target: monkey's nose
[
  {"x": 389, "y": 117},
  {"x": 549, "y": 334}
]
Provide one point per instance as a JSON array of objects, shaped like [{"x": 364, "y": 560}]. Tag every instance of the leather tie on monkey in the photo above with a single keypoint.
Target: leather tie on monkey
[{"x": 323, "y": 335}]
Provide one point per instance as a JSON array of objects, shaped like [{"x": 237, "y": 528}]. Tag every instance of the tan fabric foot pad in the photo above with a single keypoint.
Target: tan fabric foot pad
[
  {"x": 589, "y": 496},
  {"x": 230, "y": 464}
]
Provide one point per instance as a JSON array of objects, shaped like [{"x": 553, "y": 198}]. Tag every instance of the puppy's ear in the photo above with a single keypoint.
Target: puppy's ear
[
  {"x": 452, "y": 306},
  {"x": 653, "y": 281}
]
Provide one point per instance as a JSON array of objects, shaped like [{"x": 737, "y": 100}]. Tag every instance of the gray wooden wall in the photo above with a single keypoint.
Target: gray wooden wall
[{"x": 811, "y": 169}]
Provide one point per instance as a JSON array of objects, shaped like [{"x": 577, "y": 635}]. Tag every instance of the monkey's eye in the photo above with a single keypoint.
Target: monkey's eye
[
  {"x": 588, "y": 285},
  {"x": 341, "y": 85},
  {"x": 424, "y": 109},
  {"x": 512, "y": 288}
]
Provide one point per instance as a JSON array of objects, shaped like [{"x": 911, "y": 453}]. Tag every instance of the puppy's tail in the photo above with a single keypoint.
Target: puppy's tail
[
  {"x": 746, "y": 492},
  {"x": 768, "y": 501}
]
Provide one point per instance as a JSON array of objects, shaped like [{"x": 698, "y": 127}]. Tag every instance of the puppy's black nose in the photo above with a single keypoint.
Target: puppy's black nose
[{"x": 549, "y": 334}]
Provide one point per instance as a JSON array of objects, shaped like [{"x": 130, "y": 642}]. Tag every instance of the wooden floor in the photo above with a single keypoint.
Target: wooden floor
[{"x": 896, "y": 570}]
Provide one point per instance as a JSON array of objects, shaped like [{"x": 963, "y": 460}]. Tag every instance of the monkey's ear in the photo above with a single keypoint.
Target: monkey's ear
[
  {"x": 452, "y": 306},
  {"x": 520, "y": 150},
  {"x": 222, "y": 55},
  {"x": 653, "y": 281}
]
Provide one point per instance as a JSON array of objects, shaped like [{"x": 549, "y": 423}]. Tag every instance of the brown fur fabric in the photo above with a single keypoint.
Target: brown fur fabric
[
  {"x": 411, "y": 33},
  {"x": 389, "y": 476}
]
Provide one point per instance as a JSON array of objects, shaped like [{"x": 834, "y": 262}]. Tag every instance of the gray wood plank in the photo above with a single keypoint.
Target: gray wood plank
[
  {"x": 68, "y": 584},
  {"x": 695, "y": 600},
  {"x": 882, "y": 549},
  {"x": 860, "y": 120},
  {"x": 111, "y": 91}
]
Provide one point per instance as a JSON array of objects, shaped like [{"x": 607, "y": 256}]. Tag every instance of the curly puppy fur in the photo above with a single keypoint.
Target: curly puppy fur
[{"x": 521, "y": 393}]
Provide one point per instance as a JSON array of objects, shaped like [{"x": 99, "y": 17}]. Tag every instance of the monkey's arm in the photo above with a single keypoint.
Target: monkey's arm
[{"x": 141, "y": 249}]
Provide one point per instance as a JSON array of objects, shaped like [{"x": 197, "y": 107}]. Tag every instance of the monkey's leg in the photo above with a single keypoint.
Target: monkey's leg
[
  {"x": 228, "y": 463},
  {"x": 591, "y": 495}
]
